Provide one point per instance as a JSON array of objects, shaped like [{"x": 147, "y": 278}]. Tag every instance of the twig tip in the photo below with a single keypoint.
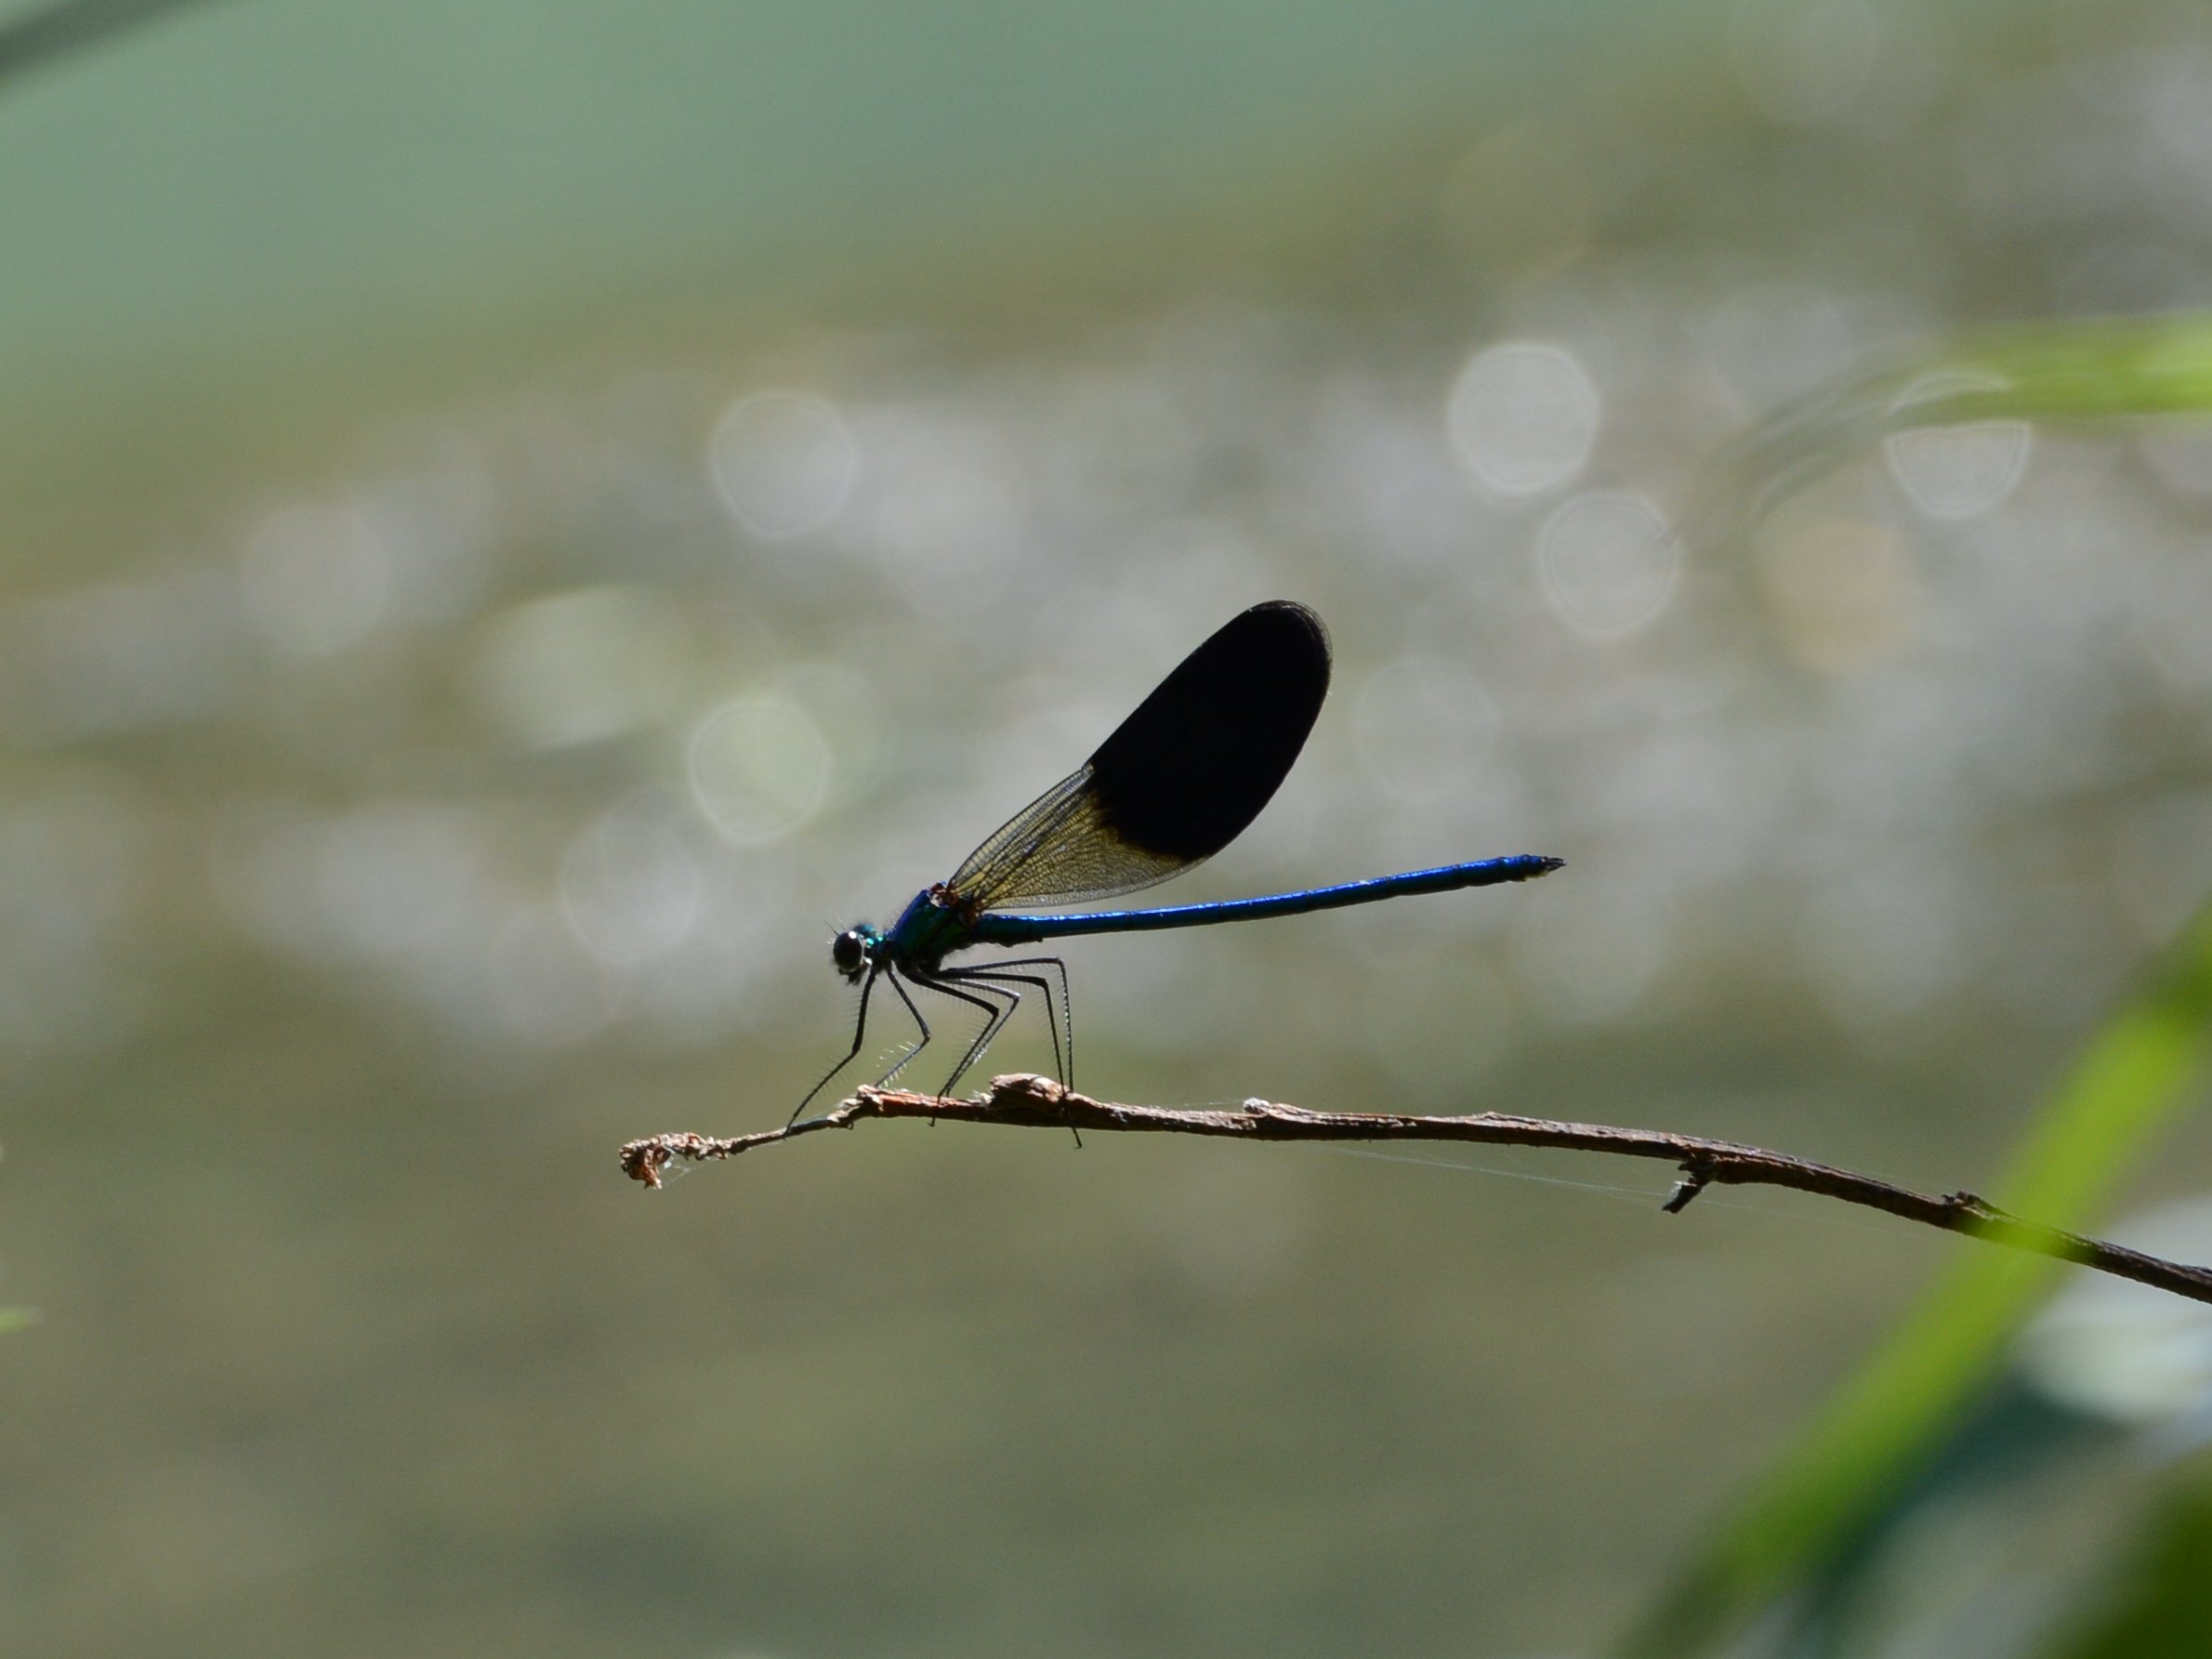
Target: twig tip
[{"x": 1697, "y": 1174}]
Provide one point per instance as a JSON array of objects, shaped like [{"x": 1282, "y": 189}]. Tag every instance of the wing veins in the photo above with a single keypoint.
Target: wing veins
[{"x": 1058, "y": 851}]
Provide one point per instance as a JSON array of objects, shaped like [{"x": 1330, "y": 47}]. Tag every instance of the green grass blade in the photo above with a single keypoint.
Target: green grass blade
[
  {"x": 2136, "y": 1075},
  {"x": 2058, "y": 373}
]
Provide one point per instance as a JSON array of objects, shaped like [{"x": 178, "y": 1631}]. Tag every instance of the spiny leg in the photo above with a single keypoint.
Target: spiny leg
[
  {"x": 859, "y": 1035},
  {"x": 1065, "y": 1011},
  {"x": 900, "y": 987},
  {"x": 1006, "y": 982},
  {"x": 995, "y": 1017},
  {"x": 1067, "y": 1004},
  {"x": 983, "y": 986}
]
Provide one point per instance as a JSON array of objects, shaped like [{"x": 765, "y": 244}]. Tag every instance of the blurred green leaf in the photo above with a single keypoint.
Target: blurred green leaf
[
  {"x": 2099, "y": 369},
  {"x": 2161, "y": 1602},
  {"x": 2125, "y": 1088},
  {"x": 15, "y": 1319},
  {"x": 38, "y": 38},
  {"x": 2072, "y": 371}
]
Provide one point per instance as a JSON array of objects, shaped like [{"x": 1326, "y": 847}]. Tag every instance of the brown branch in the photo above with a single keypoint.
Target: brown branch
[{"x": 1038, "y": 1102}]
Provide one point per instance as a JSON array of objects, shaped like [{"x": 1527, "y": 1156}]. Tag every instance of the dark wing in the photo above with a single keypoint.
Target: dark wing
[{"x": 1178, "y": 780}]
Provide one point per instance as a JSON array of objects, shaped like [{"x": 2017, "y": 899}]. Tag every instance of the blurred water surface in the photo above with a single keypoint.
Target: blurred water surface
[{"x": 390, "y": 829}]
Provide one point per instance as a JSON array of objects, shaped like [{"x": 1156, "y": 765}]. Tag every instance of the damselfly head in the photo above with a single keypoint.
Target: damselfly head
[{"x": 851, "y": 950}]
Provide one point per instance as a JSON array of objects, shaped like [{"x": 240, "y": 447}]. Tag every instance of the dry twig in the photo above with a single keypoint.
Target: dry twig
[{"x": 1038, "y": 1102}]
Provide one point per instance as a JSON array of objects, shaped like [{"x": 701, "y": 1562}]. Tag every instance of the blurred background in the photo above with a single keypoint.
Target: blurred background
[{"x": 518, "y": 520}]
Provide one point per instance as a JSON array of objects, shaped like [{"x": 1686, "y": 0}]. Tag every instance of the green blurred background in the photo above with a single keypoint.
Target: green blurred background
[{"x": 516, "y": 520}]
